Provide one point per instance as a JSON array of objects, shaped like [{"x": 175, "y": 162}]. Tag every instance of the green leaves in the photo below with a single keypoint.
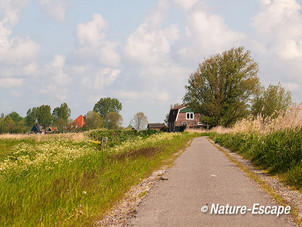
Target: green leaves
[
  {"x": 107, "y": 105},
  {"x": 270, "y": 101},
  {"x": 221, "y": 88}
]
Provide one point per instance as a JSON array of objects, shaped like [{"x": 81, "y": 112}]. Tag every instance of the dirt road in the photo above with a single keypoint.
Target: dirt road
[{"x": 203, "y": 176}]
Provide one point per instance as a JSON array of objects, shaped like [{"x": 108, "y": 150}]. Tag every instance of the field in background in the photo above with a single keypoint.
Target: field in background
[
  {"x": 273, "y": 144},
  {"x": 66, "y": 179}
]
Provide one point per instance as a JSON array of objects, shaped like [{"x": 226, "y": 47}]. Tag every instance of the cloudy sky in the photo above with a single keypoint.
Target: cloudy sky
[{"x": 141, "y": 52}]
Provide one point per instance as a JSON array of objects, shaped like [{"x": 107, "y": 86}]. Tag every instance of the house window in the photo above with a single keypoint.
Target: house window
[{"x": 190, "y": 116}]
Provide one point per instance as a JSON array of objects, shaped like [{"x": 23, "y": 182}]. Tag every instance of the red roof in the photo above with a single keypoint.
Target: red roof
[{"x": 79, "y": 122}]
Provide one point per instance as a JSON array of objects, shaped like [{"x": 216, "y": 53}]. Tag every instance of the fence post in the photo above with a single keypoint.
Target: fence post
[{"x": 101, "y": 145}]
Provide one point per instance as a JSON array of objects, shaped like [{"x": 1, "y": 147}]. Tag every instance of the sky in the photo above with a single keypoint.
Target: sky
[{"x": 140, "y": 52}]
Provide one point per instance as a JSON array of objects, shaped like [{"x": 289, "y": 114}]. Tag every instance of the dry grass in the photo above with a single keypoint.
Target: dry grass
[
  {"x": 289, "y": 119},
  {"x": 45, "y": 137},
  {"x": 198, "y": 130}
]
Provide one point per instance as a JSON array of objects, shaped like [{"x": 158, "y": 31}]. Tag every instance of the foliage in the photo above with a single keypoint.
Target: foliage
[
  {"x": 221, "y": 87},
  {"x": 278, "y": 152},
  {"x": 72, "y": 183},
  {"x": 271, "y": 101},
  {"x": 44, "y": 115},
  {"x": 113, "y": 120},
  {"x": 93, "y": 120},
  {"x": 8, "y": 125},
  {"x": 15, "y": 117},
  {"x": 61, "y": 115},
  {"x": 31, "y": 116},
  {"x": 119, "y": 136},
  {"x": 107, "y": 105},
  {"x": 139, "y": 121}
]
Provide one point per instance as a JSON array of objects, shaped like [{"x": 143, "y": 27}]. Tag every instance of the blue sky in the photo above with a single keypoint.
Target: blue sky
[{"x": 140, "y": 52}]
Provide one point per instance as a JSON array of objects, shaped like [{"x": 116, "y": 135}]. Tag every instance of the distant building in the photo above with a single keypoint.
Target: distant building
[
  {"x": 52, "y": 130},
  {"x": 78, "y": 123},
  {"x": 182, "y": 117},
  {"x": 37, "y": 129},
  {"x": 156, "y": 126}
]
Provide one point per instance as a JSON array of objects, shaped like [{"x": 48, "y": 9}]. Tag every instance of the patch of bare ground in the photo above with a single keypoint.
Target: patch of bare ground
[{"x": 287, "y": 195}]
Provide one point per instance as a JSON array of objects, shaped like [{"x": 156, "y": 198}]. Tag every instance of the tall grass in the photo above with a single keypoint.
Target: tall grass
[
  {"x": 82, "y": 184},
  {"x": 273, "y": 144}
]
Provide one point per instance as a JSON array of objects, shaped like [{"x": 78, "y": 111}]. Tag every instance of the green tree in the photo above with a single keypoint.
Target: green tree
[
  {"x": 32, "y": 116},
  {"x": 139, "y": 121},
  {"x": 9, "y": 125},
  {"x": 21, "y": 127},
  {"x": 93, "y": 120},
  {"x": 270, "y": 101},
  {"x": 106, "y": 105},
  {"x": 222, "y": 86},
  {"x": 113, "y": 120},
  {"x": 44, "y": 115},
  {"x": 61, "y": 115},
  {"x": 16, "y": 117}
]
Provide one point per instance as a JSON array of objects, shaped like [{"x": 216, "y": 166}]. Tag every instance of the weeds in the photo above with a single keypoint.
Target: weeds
[{"x": 71, "y": 182}]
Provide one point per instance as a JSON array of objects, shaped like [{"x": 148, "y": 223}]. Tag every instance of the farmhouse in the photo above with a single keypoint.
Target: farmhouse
[
  {"x": 182, "y": 117},
  {"x": 79, "y": 122},
  {"x": 52, "y": 130},
  {"x": 37, "y": 129}
]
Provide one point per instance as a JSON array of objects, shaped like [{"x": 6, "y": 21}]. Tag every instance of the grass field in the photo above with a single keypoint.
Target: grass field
[{"x": 68, "y": 180}]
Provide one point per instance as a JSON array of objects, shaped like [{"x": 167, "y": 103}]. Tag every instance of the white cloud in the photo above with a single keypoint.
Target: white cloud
[
  {"x": 207, "y": 34},
  {"x": 14, "y": 50},
  {"x": 151, "y": 45},
  {"x": 91, "y": 33},
  {"x": 278, "y": 41},
  {"x": 92, "y": 45},
  {"x": 54, "y": 8},
  {"x": 105, "y": 78},
  {"x": 278, "y": 28},
  {"x": 10, "y": 82},
  {"x": 186, "y": 4}
]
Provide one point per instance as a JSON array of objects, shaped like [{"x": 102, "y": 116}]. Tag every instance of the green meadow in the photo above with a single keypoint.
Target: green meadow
[{"x": 67, "y": 180}]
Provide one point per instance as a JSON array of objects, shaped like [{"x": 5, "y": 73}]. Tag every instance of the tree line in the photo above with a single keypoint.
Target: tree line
[
  {"x": 226, "y": 88},
  {"x": 105, "y": 114}
]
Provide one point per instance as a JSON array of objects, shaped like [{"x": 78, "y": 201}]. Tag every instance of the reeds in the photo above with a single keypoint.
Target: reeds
[{"x": 290, "y": 119}]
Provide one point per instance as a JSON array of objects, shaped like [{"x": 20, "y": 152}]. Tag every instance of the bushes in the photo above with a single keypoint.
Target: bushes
[
  {"x": 278, "y": 152},
  {"x": 116, "y": 137}
]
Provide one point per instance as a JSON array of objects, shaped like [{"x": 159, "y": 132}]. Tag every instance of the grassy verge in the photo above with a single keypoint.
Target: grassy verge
[
  {"x": 72, "y": 182},
  {"x": 279, "y": 152},
  {"x": 263, "y": 185}
]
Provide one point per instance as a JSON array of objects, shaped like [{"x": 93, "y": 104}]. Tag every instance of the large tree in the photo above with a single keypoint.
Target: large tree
[
  {"x": 139, "y": 121},
  {"x": 107, "y": 105},
  {"x": 113, "y": 120},
  {"x": 61, "y": 115},
  {"x": 270, "y": 101},
  {"x": 93, "y": 120},
  {"x": 44, "y": 115},
  {"x": 32, "y": 116},
  {"x": 222, "y": 86}
]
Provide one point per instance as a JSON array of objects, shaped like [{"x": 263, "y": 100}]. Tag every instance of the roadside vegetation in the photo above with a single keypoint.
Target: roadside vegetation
[
  {"x": 274, "y": 144},
  {"x": 261, "y": 123},
  {"x": 67, "y": 180}
]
